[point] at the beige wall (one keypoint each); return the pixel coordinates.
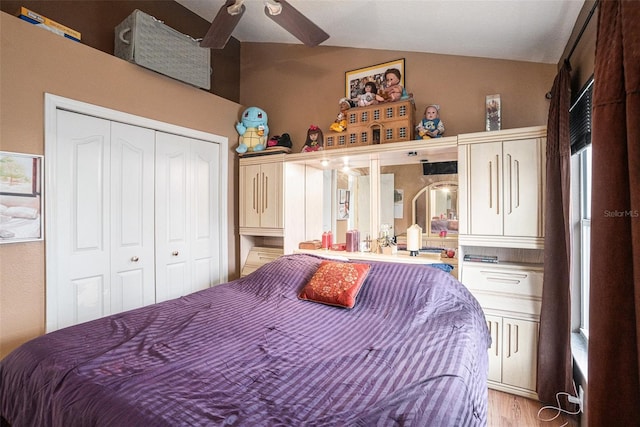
(34, 61)
(298, 86)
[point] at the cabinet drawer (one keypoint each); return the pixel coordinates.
(509, 288)
(509, 280)
(259, 256)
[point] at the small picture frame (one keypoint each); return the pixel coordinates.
(493, 110)
(344, 197)
(20, 197)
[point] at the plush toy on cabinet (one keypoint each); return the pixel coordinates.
(430, 126)
(253, 130)
(340, 123)
(315, 140)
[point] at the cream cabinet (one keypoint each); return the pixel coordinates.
(510, 295)
(501, 177)
(261, 196)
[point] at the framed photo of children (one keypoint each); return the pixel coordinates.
(356, 80)
(20, 197)
(493, 109)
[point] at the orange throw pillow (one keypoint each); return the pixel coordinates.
(336, 283)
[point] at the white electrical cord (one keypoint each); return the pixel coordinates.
(570, 398)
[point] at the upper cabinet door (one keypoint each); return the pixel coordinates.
(271, 187)
(250, 184)
(485, 189)
(522, 165)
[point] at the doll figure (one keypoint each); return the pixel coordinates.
(340, 123)
(430, 126)
(315, 140)
(393, 90)
(369, 95)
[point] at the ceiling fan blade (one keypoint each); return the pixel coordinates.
(223, 25)
(297, 24)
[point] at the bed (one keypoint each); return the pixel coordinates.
(412, 351)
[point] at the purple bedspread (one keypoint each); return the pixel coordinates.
(412, 352)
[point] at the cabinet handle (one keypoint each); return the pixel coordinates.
(504, 275)
(493, 332)
(255, 193)
(265, 193)
(516, 163)
(497, 184)
(510, 178)
(135, 259)
(175, 253)
(513, 339)
(509, 340)
(503, 280)
(490, 185)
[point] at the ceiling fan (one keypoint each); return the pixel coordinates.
(280, 11)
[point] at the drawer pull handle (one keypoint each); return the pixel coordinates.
(135, 259)
(504, 280)
(508, 275)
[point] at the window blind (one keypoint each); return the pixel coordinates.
(580, 118)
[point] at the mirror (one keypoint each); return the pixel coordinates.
(345, 206)
(435, 209)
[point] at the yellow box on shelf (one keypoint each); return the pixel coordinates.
(35, 18)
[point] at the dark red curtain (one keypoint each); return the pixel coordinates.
(613, 395)
(554, 348)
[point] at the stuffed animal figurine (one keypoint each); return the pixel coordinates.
(253, 130)
(340, 123)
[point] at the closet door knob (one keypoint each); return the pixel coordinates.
(135, 259)
(175, 253)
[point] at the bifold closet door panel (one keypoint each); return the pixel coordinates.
(132, 217)
(101, 219)
(187, 217)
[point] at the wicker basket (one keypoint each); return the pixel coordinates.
(146, 41)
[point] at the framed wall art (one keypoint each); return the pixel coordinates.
(20, 197)
(356, 79)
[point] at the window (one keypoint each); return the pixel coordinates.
(585, 236)
(580, 125)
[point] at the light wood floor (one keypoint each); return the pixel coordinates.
(508, 410)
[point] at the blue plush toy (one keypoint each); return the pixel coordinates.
(253, 130)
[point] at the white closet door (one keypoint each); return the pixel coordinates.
(205, 215)
(187, 217)
(132, 217)
(80, 227)
(102, 178)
